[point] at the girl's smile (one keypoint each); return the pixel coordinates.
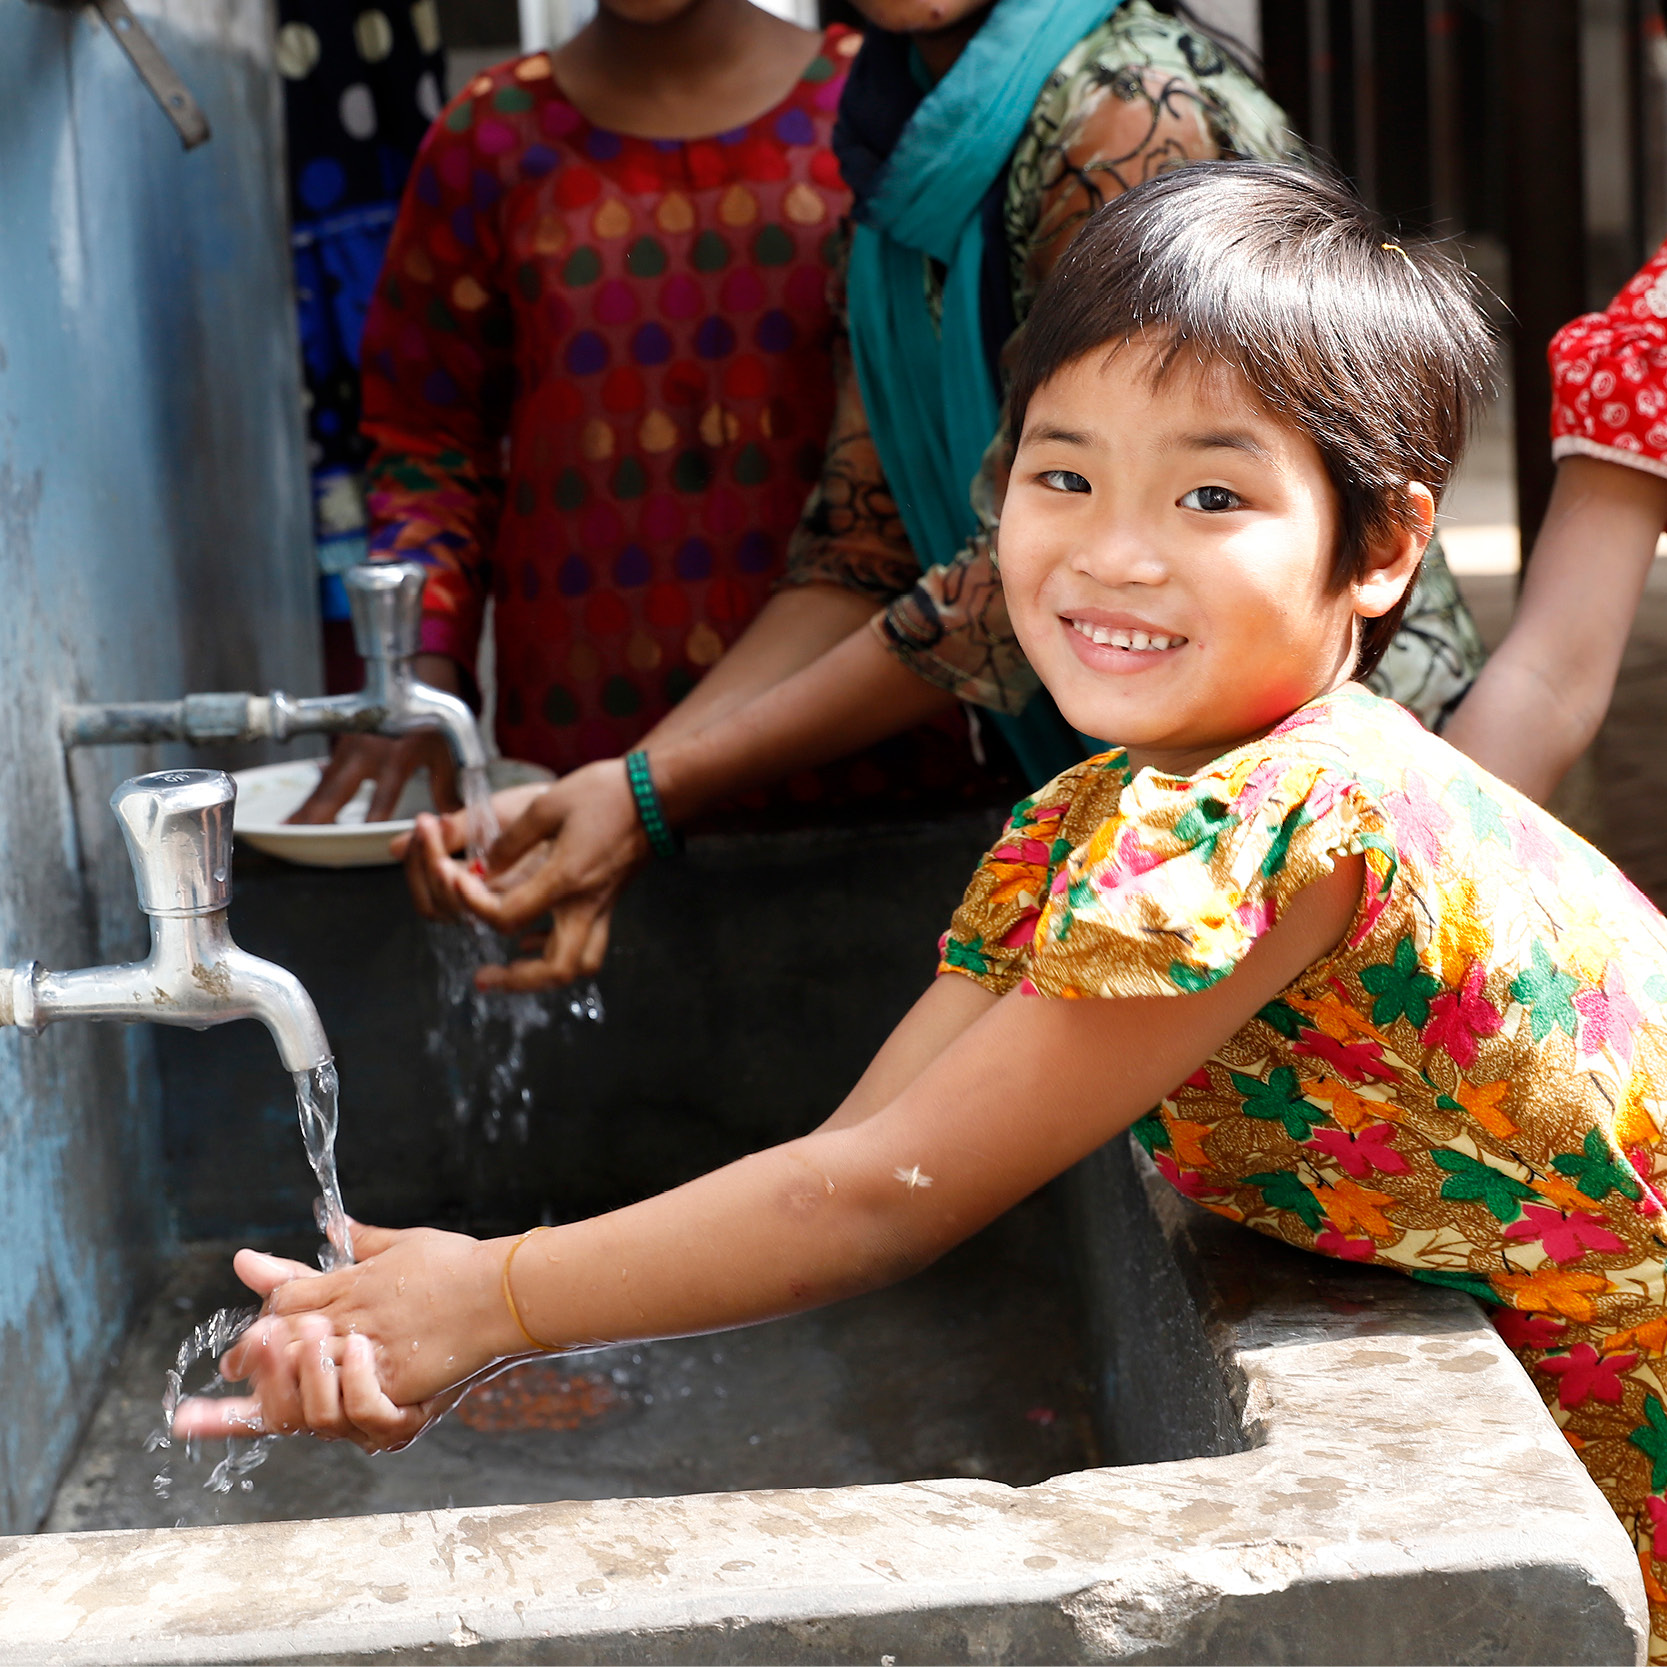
(1119, 643)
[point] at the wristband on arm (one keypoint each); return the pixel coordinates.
(509, 1294)
(661, 840)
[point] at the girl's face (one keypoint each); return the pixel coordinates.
(1166, 555)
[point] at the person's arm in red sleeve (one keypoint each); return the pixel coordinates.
(436, 378)
(1539, 701)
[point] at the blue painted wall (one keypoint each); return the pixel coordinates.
(153, 539)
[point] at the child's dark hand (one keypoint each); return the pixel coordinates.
(433, 867)
(569, 851)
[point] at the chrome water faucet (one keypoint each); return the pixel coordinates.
(178, 828)
(386, 600)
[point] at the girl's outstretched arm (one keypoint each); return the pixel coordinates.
(973, 1104)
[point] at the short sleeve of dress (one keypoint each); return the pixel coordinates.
(990, 937)
(1609, 377)
(1168, 894)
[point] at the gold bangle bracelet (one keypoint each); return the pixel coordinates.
(509, 1294)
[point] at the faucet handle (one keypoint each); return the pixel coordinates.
(386, 601)
(178, 828)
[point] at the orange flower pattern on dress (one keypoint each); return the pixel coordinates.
(1468, 1088)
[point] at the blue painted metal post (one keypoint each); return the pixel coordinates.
(154, 539)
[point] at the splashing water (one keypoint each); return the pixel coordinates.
(243, 1453)
(480, 1039)
(474, 1025)
(316, 1095)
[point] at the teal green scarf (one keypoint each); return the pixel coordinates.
(931, 394)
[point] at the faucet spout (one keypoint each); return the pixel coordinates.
(177, 824)
(412, 704)
(194, 976)
(386, 599)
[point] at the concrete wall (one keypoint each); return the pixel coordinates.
(153, 539)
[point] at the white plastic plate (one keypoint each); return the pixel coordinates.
(269, 793)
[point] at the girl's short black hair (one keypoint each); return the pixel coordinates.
(1371, 344)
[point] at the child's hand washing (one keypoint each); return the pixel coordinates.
(346, 1355)
(569, 847)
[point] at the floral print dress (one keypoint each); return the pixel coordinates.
(1470, 1088)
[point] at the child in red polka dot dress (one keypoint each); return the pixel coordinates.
(598, 375)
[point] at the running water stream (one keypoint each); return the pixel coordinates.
(479, 818)
(474, 1026)
(316, 1096)
(316, 1102)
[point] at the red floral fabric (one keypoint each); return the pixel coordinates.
(1609, 377)
(597, 375)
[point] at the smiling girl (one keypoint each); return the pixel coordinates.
(1385, 1007)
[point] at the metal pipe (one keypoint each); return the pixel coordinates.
(386, 600)
(178, 828)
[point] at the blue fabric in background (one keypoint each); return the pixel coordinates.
(921, 166)
(360, 89)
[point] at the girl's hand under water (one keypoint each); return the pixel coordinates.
(371, 1354)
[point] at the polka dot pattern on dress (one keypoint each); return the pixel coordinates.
(639, 334)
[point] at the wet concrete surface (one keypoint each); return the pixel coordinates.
(747, 986)
(1395, 1480)
(975, 1368)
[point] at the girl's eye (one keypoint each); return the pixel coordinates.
(1065, 480)
(1212, 499)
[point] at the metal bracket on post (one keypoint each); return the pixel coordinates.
(159, 76)
(156, 72)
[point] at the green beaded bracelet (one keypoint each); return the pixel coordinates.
(662, 841)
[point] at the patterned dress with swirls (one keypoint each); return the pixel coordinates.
(1184, 96)
(1471, 1088)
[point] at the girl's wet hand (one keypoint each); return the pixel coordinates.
(430, 1302)
(427, 1306)
(318, 1384)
